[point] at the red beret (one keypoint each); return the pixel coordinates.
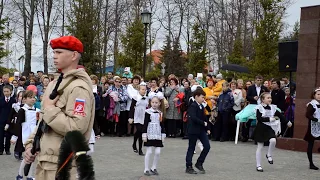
(67, 42)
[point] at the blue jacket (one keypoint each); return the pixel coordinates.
(225, 101)
(5, 109)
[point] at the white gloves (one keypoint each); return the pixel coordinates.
(6, 127)
(272, 119)
(289, 124)
(144, 137)
(130, 120)
(13, 139)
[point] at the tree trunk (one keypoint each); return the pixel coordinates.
(115, 45)
(105, 35)
(28, 28)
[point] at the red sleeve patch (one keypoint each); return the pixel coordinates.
(79, 107)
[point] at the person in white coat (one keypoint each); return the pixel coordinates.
(238, 99)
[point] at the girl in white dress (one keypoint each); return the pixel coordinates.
(153, 132)
(28, 118)
(138, 108)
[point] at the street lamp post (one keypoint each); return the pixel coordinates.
(146, 20)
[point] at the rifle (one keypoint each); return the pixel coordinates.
(42, 127)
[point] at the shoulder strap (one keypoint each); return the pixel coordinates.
(60, 91)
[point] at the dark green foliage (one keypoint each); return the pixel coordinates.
(197, 57)
(268, 31)
(4, 35)
(174, 58)
(133, 47)
(83, 25)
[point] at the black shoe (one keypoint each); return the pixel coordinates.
(312, 166)
(190, 170)
(8, 153)
(147, 173)
(141, 153)
(134, 148)
(259, 169)
(185, 137)
(17, 156)
(154, 172)
(244, 140)
(221, 140)
(270, 162)
(200, 168)
(1, 153)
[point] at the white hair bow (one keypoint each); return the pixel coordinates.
(156, 94)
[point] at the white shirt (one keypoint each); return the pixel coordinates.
(258, 89)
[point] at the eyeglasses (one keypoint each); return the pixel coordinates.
(117, 81)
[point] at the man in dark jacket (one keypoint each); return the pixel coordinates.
(197, 129)
(255, 90)
(253, 94)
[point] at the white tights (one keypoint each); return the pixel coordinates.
(21, 169)
(272, 146)
(157, 151)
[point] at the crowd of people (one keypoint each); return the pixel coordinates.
(121, 103)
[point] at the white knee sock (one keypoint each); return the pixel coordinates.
(272, 146)
(91, 146)
(200, 145)
(258, 154)
(20, 173)
(147, 159)
(30, 175)
(156, 158)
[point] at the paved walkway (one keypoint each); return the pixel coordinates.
(115, 160)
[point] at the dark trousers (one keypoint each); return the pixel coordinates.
(138, 136)
(245, 129)
(7, 135)
(172, 127)
(97, 124)
(111, 126)
(122, 125)
(185, 129)
(222, 126)
(203, 137)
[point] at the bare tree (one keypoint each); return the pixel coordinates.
(46, 24)
(27, 12)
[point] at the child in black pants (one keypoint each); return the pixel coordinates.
(5, 108)
(197, 129)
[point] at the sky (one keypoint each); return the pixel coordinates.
(293, 15)
(293, 12)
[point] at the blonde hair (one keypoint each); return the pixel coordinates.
(263, 95)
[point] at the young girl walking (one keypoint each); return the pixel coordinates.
(12, 127)
(313, 132)
(137, 115)
(153, 132)
(27, 119)
(268, 127)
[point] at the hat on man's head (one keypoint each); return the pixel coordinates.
(70, 43)
(219, 76)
